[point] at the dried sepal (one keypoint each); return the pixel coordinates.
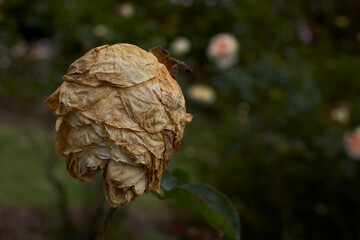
(120, 109)
(170, 63)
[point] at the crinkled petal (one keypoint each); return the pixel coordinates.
(122, 65)
(119, 110)
(84, 165)
(137, 143)
(113, 114)
(79, 96)
(70, 140)
(122, 182)
(143, 105)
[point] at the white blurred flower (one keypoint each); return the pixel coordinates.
(19, 49)
(202, 93)
(180, 46)
(340, 114)
(352, 144)
(304, 31)
(223, 50)
(42, 49)
(125, 10)
(100, 30)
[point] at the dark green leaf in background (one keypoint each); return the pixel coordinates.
(205, 200)
(168, 181)
(181, 176)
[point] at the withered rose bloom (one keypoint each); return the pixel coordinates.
(120, 109)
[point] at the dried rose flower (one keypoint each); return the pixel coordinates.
(119, 109)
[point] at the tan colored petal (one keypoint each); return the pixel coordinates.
(118, 155)
(78, 96)
(53, 100)
(122, 65)
(75, 119)
(84, 165)
(141, 185)
(71, 140)
(169, 140)
(78, 71)
(122, 182)
(143, 105)
(113, 114)
(119, 110)
(124, 175)
(137, 143)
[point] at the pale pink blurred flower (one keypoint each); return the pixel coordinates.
(202, 94)
(42, 49)
(19, 49)
(125, 10)
(223, 50)
(100, 30)
(304, 31)
(352, 144)
(180, 46)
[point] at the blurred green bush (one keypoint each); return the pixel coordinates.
(272, 139)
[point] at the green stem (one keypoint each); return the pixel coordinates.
(109, 217)
(158, 195)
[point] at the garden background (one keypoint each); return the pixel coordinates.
(271, 118)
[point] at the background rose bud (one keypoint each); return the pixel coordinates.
(202, 93)
(180, 46)
(125, 10)
(223, 50)
(352, 144)
(119, 110)
(340, 114)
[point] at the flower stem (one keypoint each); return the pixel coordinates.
(106, 224)
(158, 195)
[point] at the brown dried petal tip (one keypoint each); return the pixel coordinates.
(120, 110)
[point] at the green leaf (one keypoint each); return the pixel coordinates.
(213, 205)
(181, 176)
(168, 181)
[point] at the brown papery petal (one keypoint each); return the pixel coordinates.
(119, 110)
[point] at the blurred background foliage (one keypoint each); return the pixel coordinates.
(271, 134)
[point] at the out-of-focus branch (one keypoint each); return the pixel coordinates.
(61, 194)
(109, 217)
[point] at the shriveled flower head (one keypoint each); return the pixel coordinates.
(223, 50)
(121, 110)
